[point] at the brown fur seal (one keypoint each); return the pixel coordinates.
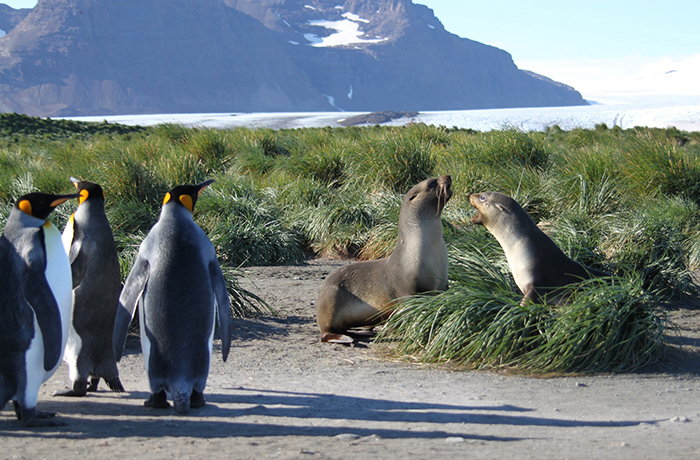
(539, 267)
(361, 293)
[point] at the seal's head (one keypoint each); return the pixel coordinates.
(496, 210)
(431, 194)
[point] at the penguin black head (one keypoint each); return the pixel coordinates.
(88, 190)
(40, 205)
(186, 195)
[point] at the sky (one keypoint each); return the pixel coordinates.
(606, 49)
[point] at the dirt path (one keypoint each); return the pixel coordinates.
(284, 395)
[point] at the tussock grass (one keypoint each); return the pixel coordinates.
(609, 325)
(657, 243)
(246, 228)
(625, 201)
(397, 159)
(662, 168)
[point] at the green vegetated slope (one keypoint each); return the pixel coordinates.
(625, 201)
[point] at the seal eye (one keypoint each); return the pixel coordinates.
(432, 184)
(482, 198)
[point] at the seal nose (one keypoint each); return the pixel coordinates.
(445, 187)
(443, 192)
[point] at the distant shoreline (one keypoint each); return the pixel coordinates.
(680, 112)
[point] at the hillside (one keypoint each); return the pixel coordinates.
(95, 57)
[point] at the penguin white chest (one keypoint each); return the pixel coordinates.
(58, 275)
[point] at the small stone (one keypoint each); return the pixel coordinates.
(624, 444)
(679, 419)
(581, 384)
(454, 439)
(347, 436)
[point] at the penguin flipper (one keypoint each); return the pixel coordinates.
(133, 289)
(218, 284)
(40, 298)
(78, 264)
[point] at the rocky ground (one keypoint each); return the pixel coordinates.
(284, 395)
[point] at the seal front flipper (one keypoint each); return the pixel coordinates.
(40, 298)
(329, 337)
(132, 292)
(218, 284)
(530, 296)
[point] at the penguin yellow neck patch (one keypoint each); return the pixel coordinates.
(25, 206)
(167, 198)
(186, 200)
(84, 194)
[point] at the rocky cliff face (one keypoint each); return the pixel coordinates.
(100, 57)
(401, 58)
(74, 57)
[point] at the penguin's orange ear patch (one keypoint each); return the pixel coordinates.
(167, 198)
(186, 200)
(25, 206)
(84, 194)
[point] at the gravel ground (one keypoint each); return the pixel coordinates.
(282, 394)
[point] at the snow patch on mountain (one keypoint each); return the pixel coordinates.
(347, 32)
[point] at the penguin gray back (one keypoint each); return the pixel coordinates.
(178, 285)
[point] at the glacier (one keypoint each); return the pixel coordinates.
(682, 112)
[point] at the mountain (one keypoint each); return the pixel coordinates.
(404, 59)
(100, 57)
(10, 17)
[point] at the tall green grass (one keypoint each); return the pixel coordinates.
(479, 323)
(625, 201)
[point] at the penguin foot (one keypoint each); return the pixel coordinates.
(94, 382)
(80, 388)
(197, 400)
(115, 385)
(72, 393)
(32, 418)
(157, 401)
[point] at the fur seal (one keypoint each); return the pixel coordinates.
(539, 267)
(362, 293)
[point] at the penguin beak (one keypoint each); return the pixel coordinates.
(204, 185)
(74, 180)
(62, 199)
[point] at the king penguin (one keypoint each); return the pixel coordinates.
(94, 262)
(178, 286)
(35, 304)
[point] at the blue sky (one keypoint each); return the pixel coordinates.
(20, 3)
(606, 49)
(603, 48)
